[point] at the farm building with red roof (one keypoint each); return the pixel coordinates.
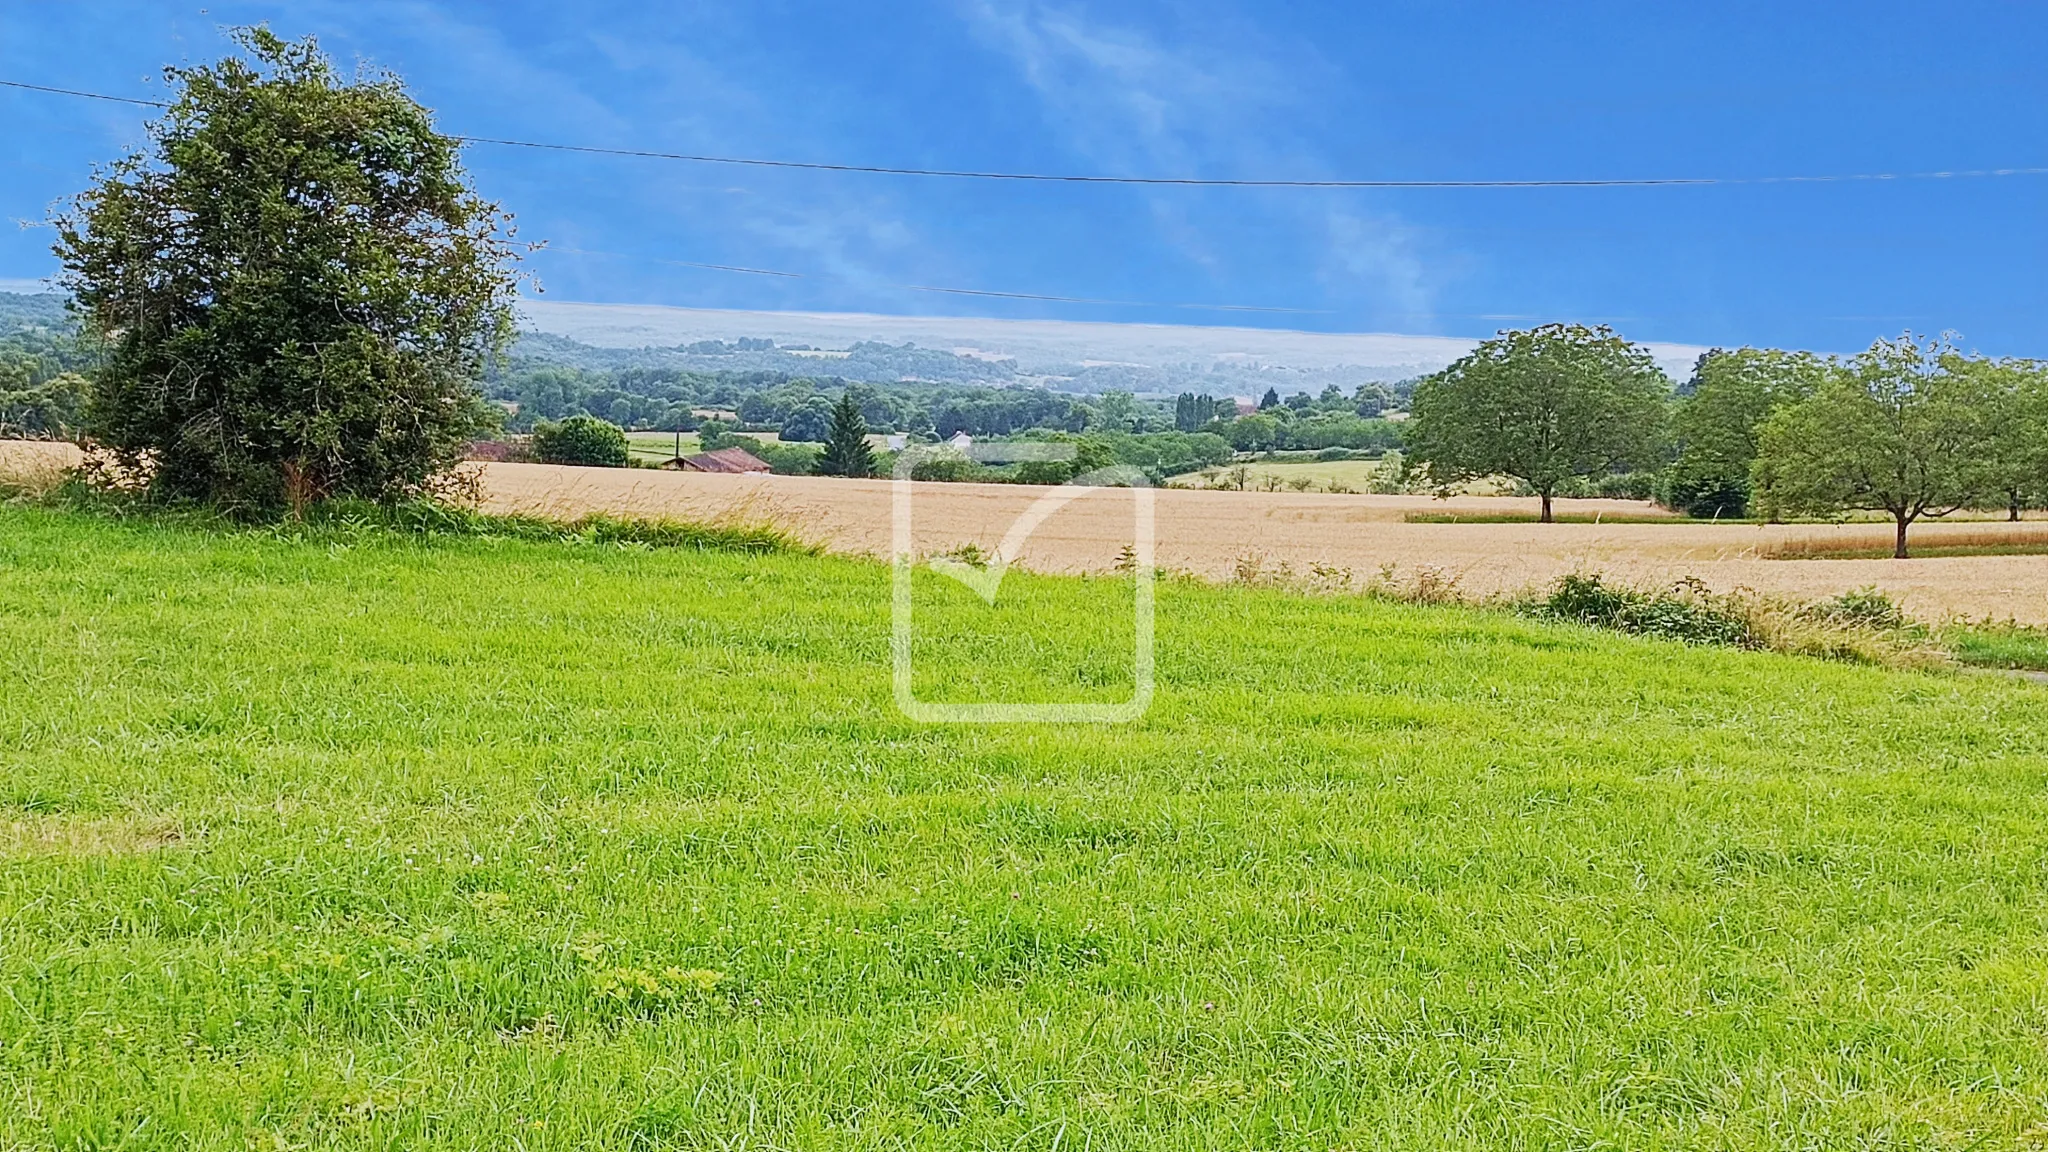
(723, 460)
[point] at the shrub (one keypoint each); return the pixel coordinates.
(1708, 497)
(582, 440)
(1687, 614)
(1044, 472)
(296, 287)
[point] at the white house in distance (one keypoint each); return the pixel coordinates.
(960, 442)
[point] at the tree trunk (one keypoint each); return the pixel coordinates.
(1899, 553)
(2013, 509)
(1546, 507)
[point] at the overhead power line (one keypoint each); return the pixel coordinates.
(548, 248)
(1172, 181)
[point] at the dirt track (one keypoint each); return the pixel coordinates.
(1212, 533)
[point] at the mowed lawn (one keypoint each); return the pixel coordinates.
(354, 841)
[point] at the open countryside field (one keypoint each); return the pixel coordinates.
(367, 840)
(1215, 534)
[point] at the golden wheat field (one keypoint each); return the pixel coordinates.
(1219, 535)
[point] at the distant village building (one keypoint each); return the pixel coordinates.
(896, 441)
(960, 442)
(723, 460)
(1245, 407)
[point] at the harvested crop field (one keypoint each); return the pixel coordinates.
(1218, 534)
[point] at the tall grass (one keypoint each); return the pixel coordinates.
(529, 844)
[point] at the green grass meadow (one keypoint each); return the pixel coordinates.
(364, 840)
(658, 447)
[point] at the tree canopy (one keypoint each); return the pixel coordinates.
(1906, 428)
(1543, 405)
(1731, 394)
(582, 440)
(297, 287)
(2018, 393)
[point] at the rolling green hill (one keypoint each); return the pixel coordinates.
(347, 839)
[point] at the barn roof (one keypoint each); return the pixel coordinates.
(726, 460)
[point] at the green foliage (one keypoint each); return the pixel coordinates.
(36, 409)
(1690, 618)
(1542, 405)
(1716, 425)
(1901, 428)
(363, 839)
(1194, 411)
(945, 465)
(1862, 608)
(1114, 412)
(1256, 433)
(799, 459)
(297, 287)
(426, 519)
(846, 446)
(584, 440)
(2018, 393)
(810, 422)
(2009, 646)
(716, 434)
(1716, 496)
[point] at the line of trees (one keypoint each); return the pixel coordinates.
(1911, 428)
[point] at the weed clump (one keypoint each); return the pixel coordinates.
(1688, 612)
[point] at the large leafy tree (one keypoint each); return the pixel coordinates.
(297, 286)
(1904, 428)
(846, 441)
(1716, 425)
(1543, 405)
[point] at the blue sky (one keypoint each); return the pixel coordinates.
(1216, 88)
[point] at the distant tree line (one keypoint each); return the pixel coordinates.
(1910, 428)
(799, 408)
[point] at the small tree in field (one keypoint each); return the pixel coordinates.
(584, 440)
(846, 442)
(1542, 405)
(1902, 428)
(296, 285)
